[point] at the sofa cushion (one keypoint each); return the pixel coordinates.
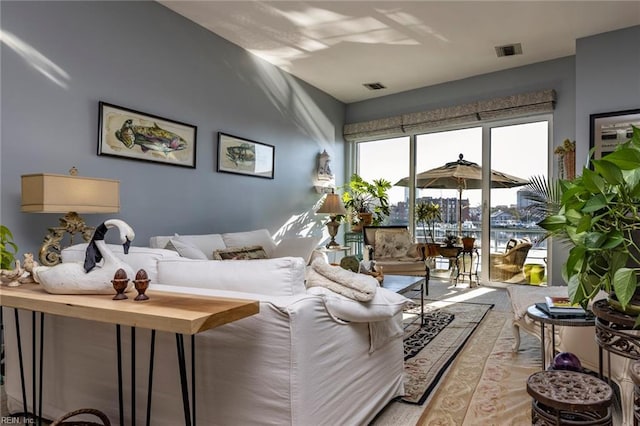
(392, 243)
(207, 243)
(138, 258)
(296, 247)
(259, 237)
(240, 253)
(185, 248)
(274, 277)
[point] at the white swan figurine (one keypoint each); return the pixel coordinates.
(90, 278)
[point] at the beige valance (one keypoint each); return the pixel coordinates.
(419, 122)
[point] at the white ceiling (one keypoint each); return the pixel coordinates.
(339, 45)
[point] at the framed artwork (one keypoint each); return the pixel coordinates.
(245, 157)
(136, 135)
(609, 129)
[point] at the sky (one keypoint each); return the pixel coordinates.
(519, 150)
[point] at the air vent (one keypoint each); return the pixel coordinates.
(375, 86)
(509, 50)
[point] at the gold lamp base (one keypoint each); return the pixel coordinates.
(71, 223)
(333, 226)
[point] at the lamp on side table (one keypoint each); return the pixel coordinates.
(51, 193)
(332, 206)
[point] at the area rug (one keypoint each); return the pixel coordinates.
(429, 354)
(487, 382)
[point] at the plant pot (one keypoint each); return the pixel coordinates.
(633, 308)
(468, 243)
(449, 251)
(366, 219)
(432, 250)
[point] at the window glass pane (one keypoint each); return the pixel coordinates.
(435, 150)
(387, 159)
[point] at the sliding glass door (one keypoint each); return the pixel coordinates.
(475, 205)
(517, 254)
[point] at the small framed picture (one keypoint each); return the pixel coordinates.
(140, 136)
(609, 129)
(245, 157)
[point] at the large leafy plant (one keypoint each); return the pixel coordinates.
(597, 213)
(361, 196)
(8, 249)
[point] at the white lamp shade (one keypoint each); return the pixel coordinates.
(51, 193)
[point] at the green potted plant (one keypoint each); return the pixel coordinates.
(598, 214)
(368, 202)
(427, 215)
(8, 249)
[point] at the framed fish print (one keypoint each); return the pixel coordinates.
(609, 129)
(245, 157)
(136, 135)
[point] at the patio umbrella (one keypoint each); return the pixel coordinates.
(461, 175)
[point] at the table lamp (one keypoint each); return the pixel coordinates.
(69, 194)
(332, 206)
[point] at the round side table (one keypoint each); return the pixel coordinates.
(563, 397)
(543, 318)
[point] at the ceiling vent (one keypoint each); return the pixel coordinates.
(509, 50)
(375, 86)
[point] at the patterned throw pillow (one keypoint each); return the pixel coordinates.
(392, 243)
(240, 253)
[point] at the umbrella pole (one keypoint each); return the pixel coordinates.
(460, 212)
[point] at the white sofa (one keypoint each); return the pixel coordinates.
(297, 362)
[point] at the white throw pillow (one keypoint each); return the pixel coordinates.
(384, 305)
(259, 237)
(296, 247)
(274, 277)
(185, 248)
(207, 243)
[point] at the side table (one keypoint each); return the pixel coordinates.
(615, 334)
(334, 250)
(181, 314)
(539, 316)
(462, 265)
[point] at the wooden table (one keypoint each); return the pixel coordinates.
(181, 314)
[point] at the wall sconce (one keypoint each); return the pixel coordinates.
(51, 193)
(333, 206)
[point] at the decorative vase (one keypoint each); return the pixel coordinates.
(366, 219)
(120, 282)
(141, 284)
(468, 243)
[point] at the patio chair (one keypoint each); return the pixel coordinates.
(509, 266)
(393, 248)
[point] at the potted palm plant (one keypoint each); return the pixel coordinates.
(427, 215)
(367, 202)
(598, 214)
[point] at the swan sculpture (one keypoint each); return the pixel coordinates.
(90, 277)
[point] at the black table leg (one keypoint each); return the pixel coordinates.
(119, 350)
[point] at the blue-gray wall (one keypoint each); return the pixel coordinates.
(60, 58)
(607, 79)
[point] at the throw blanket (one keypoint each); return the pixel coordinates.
(355, 286)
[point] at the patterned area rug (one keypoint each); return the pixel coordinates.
(487, 382)
(429, 350)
